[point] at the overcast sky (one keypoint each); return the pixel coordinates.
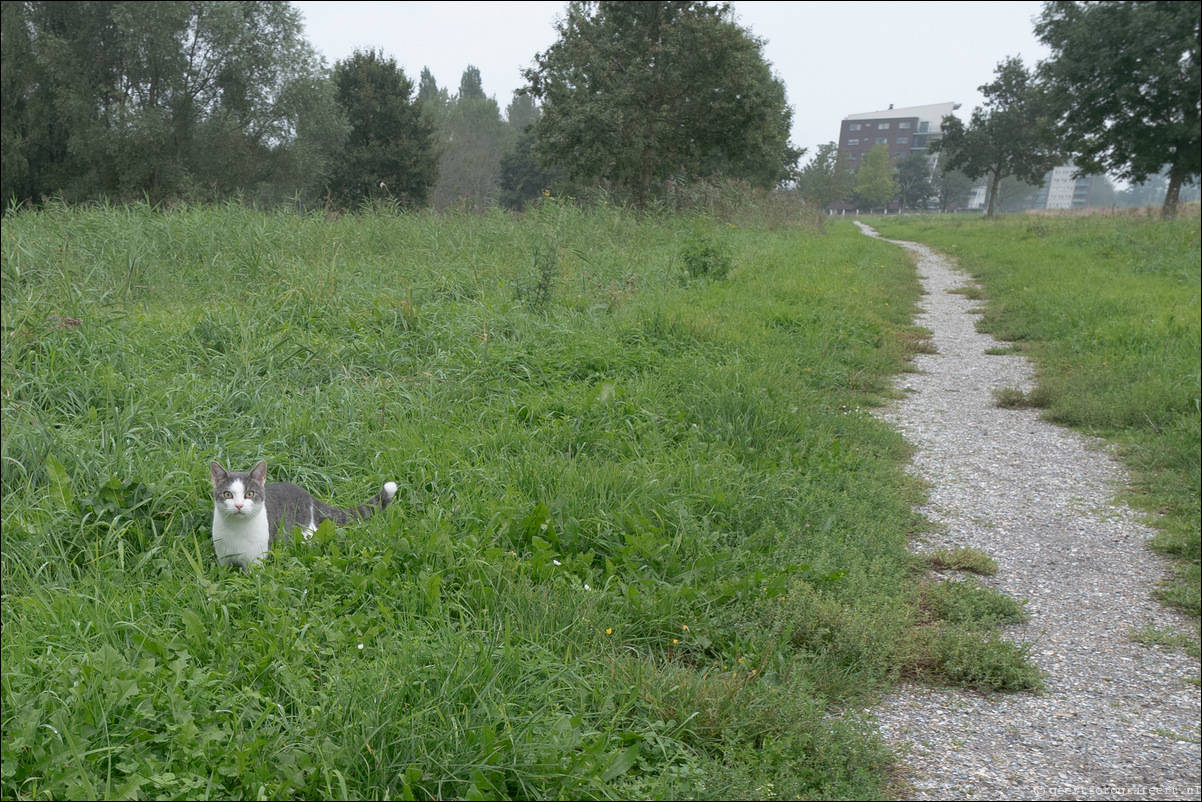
(835, 58)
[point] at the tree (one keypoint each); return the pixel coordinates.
(1010, 135)
(390, 151)
(522, 112)
(433, 99)
(826, 178)
(914, 187)
(473, 138)
(471, 85)
(636, 92)
(522, 179)
(953, 188)
(1016, 195)
(1101, 191)
(1126, 82)
(1151, 191)
(19, 123)
(875, 184)
(127, 99)
(428, 91)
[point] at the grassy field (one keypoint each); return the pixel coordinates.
(1108, 310)
(647, 541)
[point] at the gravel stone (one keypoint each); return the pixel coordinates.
(1118, 720)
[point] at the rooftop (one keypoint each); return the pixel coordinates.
(934, 112)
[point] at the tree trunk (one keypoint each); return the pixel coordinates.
(1171, 198)
(645, 179)
(997, 180)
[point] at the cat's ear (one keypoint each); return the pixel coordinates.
(218, 473)
(259, 472)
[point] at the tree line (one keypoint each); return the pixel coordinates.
(210, 100)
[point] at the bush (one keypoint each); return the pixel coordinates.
(705, 256)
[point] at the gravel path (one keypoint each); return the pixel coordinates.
(1118, 720)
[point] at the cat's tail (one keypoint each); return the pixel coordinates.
(368, 508)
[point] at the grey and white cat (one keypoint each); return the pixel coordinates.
(249, 515)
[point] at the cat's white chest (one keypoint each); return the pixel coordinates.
(241, 540)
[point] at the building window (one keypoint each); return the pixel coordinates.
(882, 126)
(853, 127)
(903, 140)
(851, 142)
(903, 125)
(881, 140)
(924, 127)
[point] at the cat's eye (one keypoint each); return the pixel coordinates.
(228, 494)
(250, 494)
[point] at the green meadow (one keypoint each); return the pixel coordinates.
(648, 540)
(1108, 310)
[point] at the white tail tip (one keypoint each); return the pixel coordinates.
(389, 490)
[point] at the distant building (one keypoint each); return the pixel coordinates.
(905, 131)
(1061, 190)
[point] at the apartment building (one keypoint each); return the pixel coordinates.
(904, 131)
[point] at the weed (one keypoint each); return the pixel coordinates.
(537, 286)
(1151, 635)
(963, 558)
(706, 256)
(916, 341)
(973, 292)
(1011, 398)
(966, 601)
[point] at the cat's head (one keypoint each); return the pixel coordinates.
(239, 495)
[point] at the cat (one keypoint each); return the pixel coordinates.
(249, 515)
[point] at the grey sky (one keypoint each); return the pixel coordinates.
(836, 58)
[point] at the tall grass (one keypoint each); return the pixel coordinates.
(645, 541)
(1108, 310)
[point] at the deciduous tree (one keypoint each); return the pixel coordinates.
(129, 99)
(914, 187)
(826, 178)
(952, 188)
(390, 151)
(635, 92)
(1126, 81)
(1011, 135)
(433, 98)
(522, 178)
(875, 182)
(473, 139)
(522, 112)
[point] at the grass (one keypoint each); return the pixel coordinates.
(963, 558)
(1151, 635)
(1108, 311)
(645, 543)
